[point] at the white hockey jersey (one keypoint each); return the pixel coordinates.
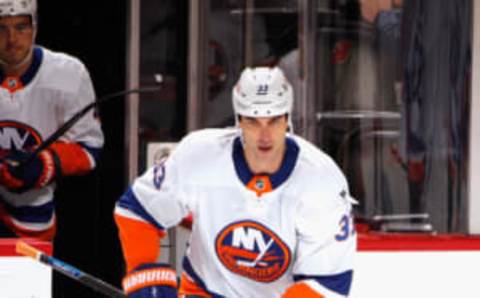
(33, 107)
(242, 244)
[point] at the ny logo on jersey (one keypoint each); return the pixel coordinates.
(15, 135)
(262, 89)
(247, 238)
(252, 250)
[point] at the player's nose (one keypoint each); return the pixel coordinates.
(265, 135)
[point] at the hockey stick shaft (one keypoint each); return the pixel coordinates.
(74, 119)
(70, 271)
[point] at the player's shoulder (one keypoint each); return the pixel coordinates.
(311, 158)
(60, 72)
(61, 62)
(326, 179)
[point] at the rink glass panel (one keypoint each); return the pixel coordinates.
(392, 108)
(163, 35)
(390, 102)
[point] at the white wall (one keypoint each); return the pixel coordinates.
(421, 274)
(22, 277)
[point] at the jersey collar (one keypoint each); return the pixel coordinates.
(276, 179)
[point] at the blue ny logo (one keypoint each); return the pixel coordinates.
(262, 90)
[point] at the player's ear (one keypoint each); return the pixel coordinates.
(34, 36)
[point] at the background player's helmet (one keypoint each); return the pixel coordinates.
(262, 92)
(10, 8)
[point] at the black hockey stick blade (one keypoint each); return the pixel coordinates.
(70, 271)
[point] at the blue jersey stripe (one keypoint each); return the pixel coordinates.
(32, 214)
(30, 73)
(129, 201)
(339, 283)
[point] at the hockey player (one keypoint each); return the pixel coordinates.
(40, 90)
(272, 213)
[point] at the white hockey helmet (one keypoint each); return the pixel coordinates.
(262, 92)
(10, 8)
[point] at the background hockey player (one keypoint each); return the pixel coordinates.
(271, 212)
(39, 91)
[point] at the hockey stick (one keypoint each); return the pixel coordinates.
(74, 119)
(70, 271)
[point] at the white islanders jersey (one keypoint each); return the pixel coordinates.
(243, 244)
(33, 107)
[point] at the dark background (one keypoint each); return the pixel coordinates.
(95, 32)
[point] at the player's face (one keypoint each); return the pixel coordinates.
(16, 39)
(264, 142)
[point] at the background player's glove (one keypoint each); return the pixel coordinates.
(60, 159)
(151, 281)
(18, 176)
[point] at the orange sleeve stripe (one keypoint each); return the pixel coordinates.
(74, 160)
(300, 289)
(140, 241)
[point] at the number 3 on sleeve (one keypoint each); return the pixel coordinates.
(346, 228)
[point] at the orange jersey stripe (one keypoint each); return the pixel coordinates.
(140, 241)
(245, 254)
(189, 288)
(300, 289)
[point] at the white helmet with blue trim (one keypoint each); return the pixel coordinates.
(262, 92)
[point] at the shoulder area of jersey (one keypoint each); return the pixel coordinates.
(325, 175)
(61, 61)
(311, 154)
(330, 196)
